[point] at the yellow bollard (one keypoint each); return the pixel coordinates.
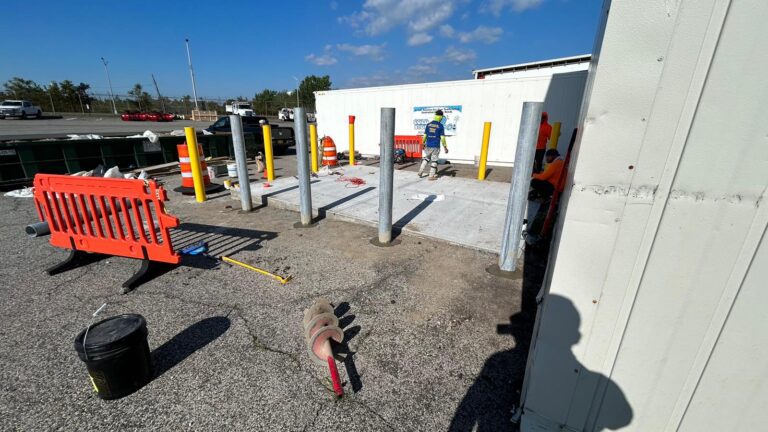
(351, 140)
(484, 150)
(313, 145)
(267, 131)
(194, 162)
(555, 135)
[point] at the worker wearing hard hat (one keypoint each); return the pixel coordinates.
(545, 132)
(545, 182)
(434, 136)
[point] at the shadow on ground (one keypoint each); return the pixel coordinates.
(186, 343)
(221, 241)
(347, 356)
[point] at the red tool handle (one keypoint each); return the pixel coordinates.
(335, 377)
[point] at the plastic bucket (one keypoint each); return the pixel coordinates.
(116, 354)
(232, 170)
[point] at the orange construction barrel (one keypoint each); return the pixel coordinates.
(329, 152)
(187, 183)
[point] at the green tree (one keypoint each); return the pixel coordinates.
(20, 88)
(69, 96)
(141, 99)
(83, 98)
(265, 101)
(308, 86)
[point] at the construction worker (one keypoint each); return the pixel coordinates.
(544, 183)
(545, 132)
(434, 136)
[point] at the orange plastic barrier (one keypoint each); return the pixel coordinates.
(121, 217)
(412, 145)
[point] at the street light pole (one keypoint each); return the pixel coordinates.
(192, 74)
(109, 80)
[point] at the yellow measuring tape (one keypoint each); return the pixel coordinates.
(281, 279)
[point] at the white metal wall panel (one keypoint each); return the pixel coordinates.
(498, 101)
(651, 258)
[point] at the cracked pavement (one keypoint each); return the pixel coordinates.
(420, 322)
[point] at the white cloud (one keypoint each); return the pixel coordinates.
(481, 34)
(419, 39)
(458, 56)
(379, 16)
(446, 30)
(497, 6)
(421, 70)
(334, 5)
(377, 79)
(326, 59)
(374, 52)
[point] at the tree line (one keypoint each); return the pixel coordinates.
(66, 96)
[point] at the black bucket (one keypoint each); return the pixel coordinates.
(116, 354)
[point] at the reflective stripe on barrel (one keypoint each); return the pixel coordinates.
(186, 167)
(329, 152)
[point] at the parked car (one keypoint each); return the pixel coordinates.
(19, 108)
(282, 137)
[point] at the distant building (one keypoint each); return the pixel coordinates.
(536, 69)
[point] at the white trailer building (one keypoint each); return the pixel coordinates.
(470, 102)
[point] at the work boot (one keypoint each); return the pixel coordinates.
(421, 174)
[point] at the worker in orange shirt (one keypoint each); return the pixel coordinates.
(544, 183)
(545, 132)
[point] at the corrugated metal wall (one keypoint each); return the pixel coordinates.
(498, 101)
(655, 315)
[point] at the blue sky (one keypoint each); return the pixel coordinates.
(241, 47)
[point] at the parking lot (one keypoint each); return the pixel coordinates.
(106, 125)
(429, 345)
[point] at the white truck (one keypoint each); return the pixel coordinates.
(285, 114)
(243, 109)
(19, 108)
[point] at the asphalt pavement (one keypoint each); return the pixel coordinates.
(428, 338)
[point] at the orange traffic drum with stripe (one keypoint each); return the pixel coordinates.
(329, 152)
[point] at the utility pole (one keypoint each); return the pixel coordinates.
(109, 80)
(192, 74)
(48, 90)
(297, 91)
(157, 89)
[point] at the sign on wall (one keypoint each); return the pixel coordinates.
(425, 114)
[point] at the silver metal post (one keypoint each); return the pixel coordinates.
(521, 178)
(302, 155)
(386, 172)
(109, 80)
(192, 74)
(238, 139)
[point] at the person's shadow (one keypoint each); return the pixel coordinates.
(488, 404)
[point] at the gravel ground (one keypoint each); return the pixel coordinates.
(428, 333)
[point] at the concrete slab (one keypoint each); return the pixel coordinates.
(459, 211)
